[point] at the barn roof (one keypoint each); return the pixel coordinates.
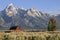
(13, 27)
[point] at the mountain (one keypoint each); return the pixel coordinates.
(25, 18)
(58, 20)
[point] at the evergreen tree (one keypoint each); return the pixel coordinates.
(52, 24)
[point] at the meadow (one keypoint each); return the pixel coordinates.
(30, 35)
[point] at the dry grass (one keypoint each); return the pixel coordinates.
(36, 35)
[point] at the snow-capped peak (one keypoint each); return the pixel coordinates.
(11, 4)
(33, 12)
(21, 9)
(33, 9)
(10, 10)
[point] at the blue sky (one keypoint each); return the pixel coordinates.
(49, 6)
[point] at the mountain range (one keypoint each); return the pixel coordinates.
(25, 18)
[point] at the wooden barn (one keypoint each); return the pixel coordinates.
(16, 29)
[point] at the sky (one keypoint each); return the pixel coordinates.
(48, 6)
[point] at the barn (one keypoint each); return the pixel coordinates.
(16, 29)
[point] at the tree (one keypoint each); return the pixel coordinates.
(52, 24)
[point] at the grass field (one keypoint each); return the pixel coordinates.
(30, 36)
